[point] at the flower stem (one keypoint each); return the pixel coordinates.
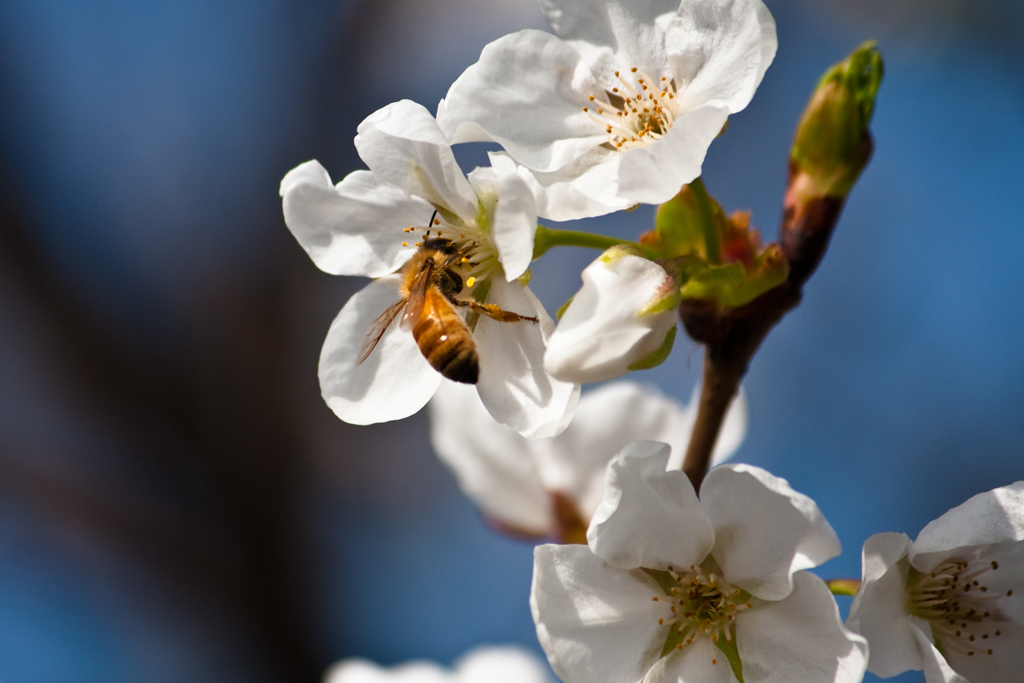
(707, 221)
(553, 237)
(843, 586)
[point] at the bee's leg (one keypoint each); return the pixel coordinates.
(492, 311)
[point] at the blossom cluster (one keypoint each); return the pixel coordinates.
(617, 109)
(655, 568)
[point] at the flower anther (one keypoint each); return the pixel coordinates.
(637, 111)
(955, 599)
(478, 259)
(698, 602)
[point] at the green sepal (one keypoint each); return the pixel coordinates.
(689, 267)
(676, 636)
(831, 146)
(665, 303)
(617, 251)
(561, 311)
(525, 278)
(848, 587)
(692, 222)
(732, 285)
(659, 355)
(677, 224)
(667, 298)
(732, 654)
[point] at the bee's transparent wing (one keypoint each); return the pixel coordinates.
(417, 296)
(378, 328)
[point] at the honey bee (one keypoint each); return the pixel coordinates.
(429, 289)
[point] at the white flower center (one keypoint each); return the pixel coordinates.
(954, 599)
(479, 258)
(699, 603)
(636, 110)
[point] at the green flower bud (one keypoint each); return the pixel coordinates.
(832, 143)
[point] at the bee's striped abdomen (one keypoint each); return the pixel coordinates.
(446, 342)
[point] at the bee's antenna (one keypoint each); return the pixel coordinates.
(432, 217)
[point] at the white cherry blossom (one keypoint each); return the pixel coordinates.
(951, 602)
(672, 588)
(486, 664)
(622, 107)
(550, 488)
(369, 224)
(623, 318)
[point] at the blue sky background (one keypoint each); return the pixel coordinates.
(176, 502)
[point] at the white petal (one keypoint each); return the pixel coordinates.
(394, 382)
(731, 435)
(764, 530)
(649, 174)
(720, 50)
(560, 196)
(609, 419)
(494, 465)
(769, 39)
(354, 228)
(995, 516)
(654, 174)
(799, 639)
(699, 662)
(936, 669)
(603, 331)
(506, 664)
(403, 144)
(879, 612)
(589, 185)
(596, 623)
(601, 180)
(615, 34)
(526, 93)
(515, 211)
(364, 671)
(513, 383)
(649, 517)
(1004, 664)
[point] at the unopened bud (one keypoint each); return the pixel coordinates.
(624, 318)
(831, 148)
(832, 144)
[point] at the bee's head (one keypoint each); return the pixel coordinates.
(441, 244)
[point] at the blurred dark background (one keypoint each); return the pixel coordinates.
(177, 503)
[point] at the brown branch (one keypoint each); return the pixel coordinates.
(734, 335)
(831, 148)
